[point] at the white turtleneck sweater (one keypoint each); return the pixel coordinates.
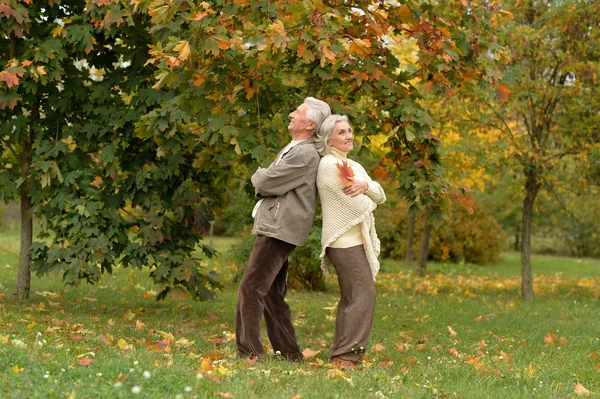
(348, 221)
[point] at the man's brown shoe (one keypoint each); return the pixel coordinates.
(343, 364)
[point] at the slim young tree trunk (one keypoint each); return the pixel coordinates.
(424, 247)
(410, 255)
(517, 240)
(532, 186)
(24, 276)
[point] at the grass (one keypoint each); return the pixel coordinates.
(462, 332)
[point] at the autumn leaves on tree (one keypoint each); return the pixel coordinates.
(127, 119)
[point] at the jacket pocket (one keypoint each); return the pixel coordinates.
(269, 214)
(274, 210)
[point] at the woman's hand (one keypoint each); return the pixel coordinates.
(356, 187)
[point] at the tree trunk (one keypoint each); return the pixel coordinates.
(24, 276)
(532, 186)
(517, 240)
(424, 247)
(410, 255)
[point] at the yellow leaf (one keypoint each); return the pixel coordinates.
(40, 70)
(223, 370)
(205, 365)
(57, 31)
(234, 142)
(17, 369)
(122, 344)
(184, 343)
(183, 48)
(530, 370)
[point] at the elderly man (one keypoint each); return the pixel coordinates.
(282, 220)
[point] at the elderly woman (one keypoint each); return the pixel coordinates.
(350, 243)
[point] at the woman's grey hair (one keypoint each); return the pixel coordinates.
(322, 137)
(317, 112)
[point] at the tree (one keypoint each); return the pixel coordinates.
(73, 88)
(545, 107)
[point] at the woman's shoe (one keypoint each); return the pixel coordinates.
(343, 364)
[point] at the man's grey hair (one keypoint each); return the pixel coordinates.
(317, 112)
(322, 137)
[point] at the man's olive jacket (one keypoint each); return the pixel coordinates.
(289, 193)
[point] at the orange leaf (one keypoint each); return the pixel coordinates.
(327, 53)
(86, 361)
(550, 338)
(120, 377)
(346, 172)
(379, 347)
(11, 80)
(502, 92)
(199, 16)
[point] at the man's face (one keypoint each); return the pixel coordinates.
(299, 125)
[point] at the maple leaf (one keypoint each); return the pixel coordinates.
(580, 390)
(502, 92)
(10, 79)
(327, 53)
(183, 48)
(85, 361)
(308, 353)
(346, 173)
(550, 338)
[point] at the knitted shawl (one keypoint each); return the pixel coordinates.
(341, 211)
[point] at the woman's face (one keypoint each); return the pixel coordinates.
(342, 138)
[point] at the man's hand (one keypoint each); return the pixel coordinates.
(356, 187)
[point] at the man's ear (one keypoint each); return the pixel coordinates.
(311, 126)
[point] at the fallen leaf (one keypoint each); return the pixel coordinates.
(580, 390)
(139, 324)
(308, 353)
(251, 361)
(224, 394)
(378, 347)
(86, 361)
(17, 369)
(479, 318)
(452, 332)
(123, 345)
(550, 338)
(120, 377)
(530, 370)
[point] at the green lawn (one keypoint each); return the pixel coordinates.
(462, 332)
